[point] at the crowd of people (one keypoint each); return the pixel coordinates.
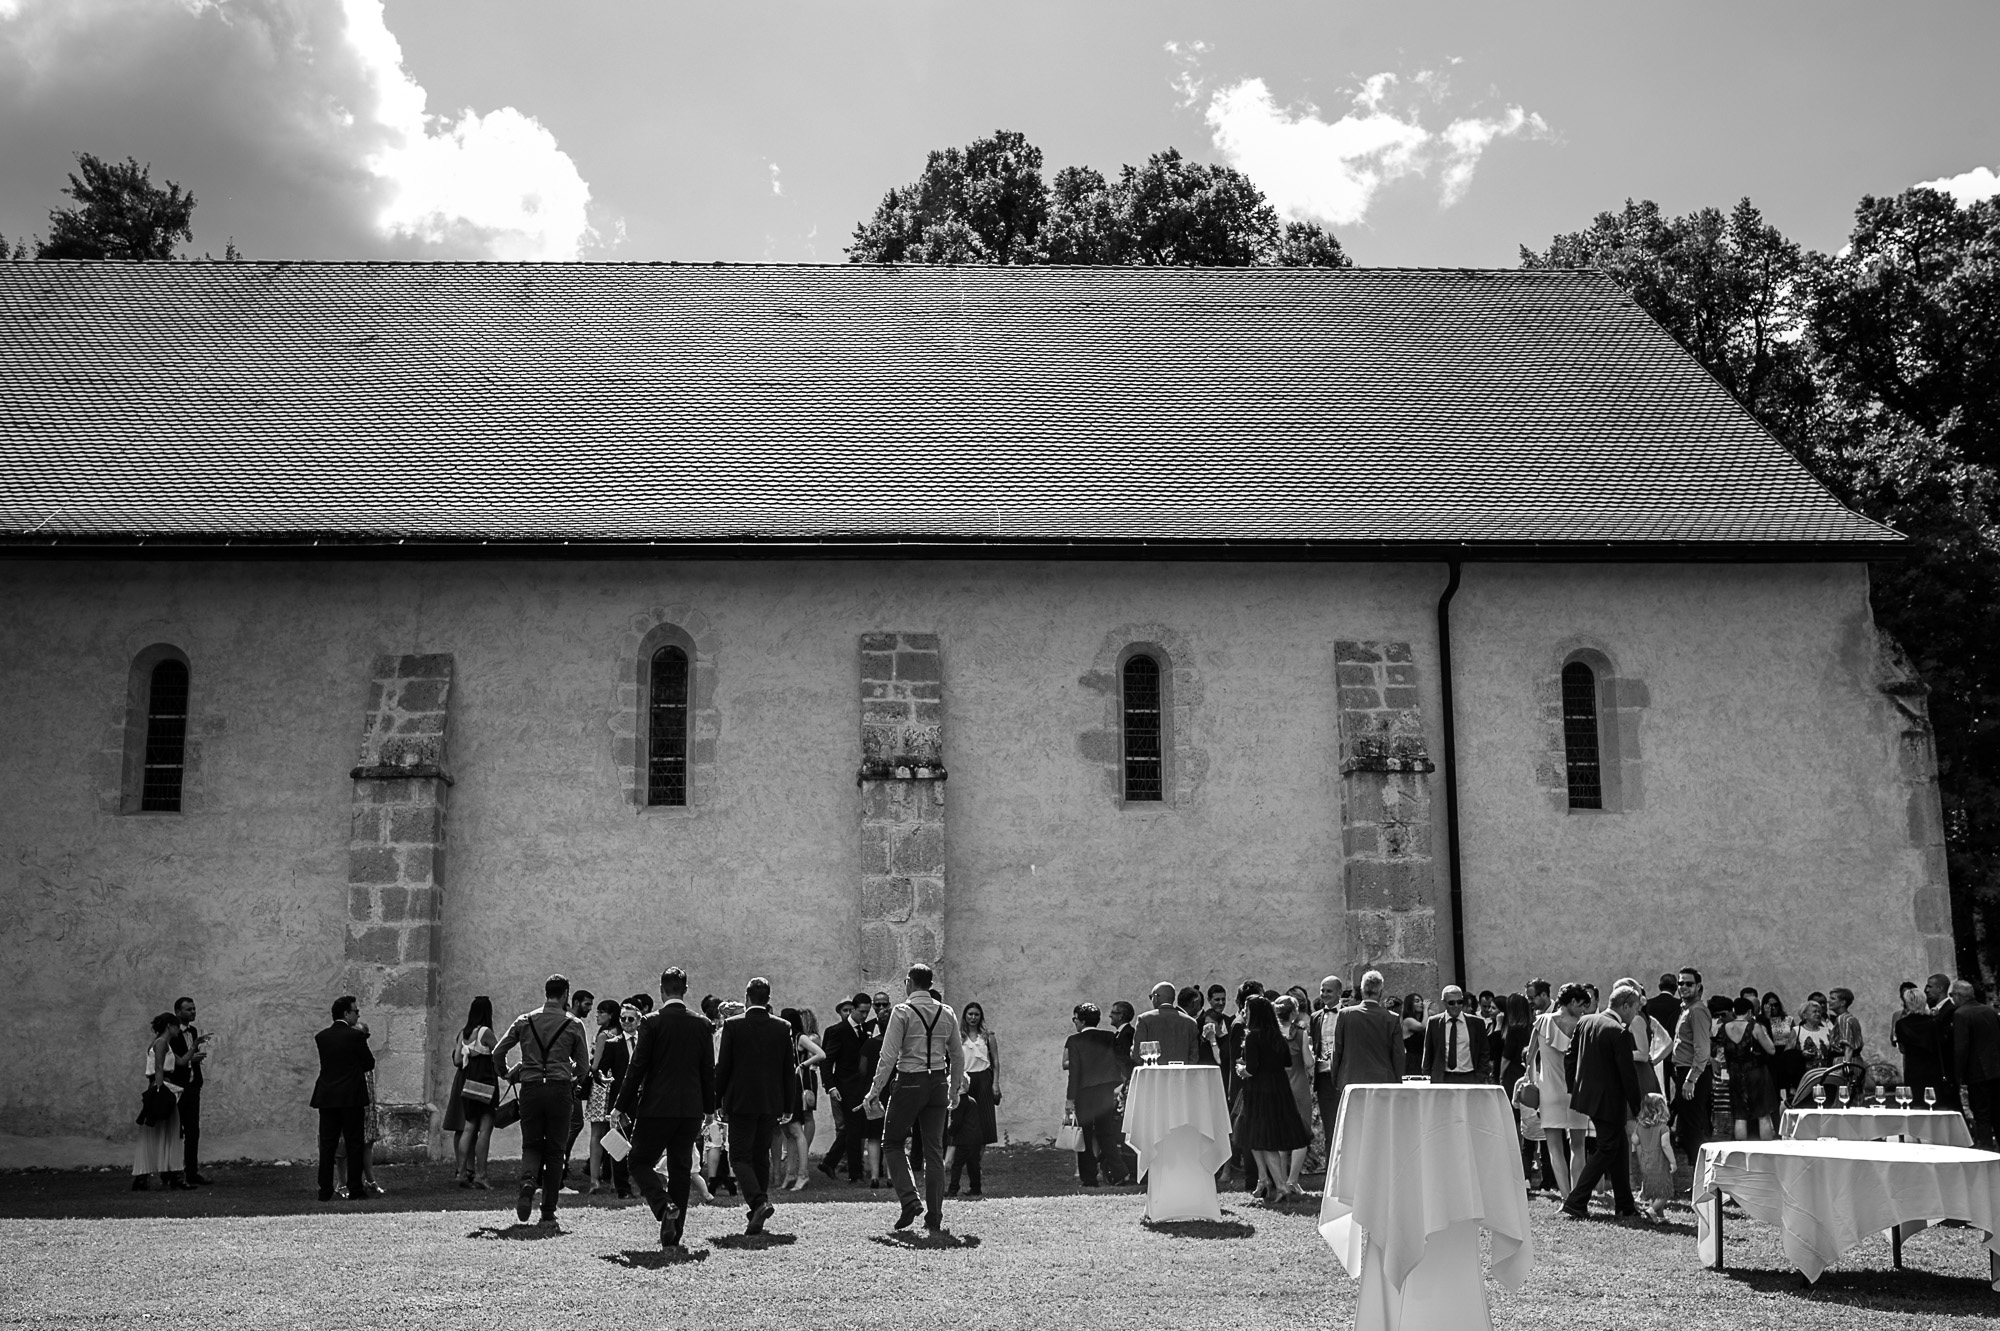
(1619, 1091)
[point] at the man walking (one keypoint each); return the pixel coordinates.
(669, 1090)
(1455, 1043)
(580, 1005)
(1976, 1060)
(341, 1095)
(846, 1076)
(921, 1044)
(758, 1090)
(189, 1052)
(1178, 1034)
(1607, 1093)
(554, 1062)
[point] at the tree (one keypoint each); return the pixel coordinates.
(987, 204)
(18, 250)
(1729, 288)
(119, 214)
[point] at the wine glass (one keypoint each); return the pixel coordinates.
(1819, 1095)
(1902, 1097)
(1843, 1095)
(1150, 1051)
(1930, 1096)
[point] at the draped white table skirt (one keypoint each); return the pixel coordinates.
(1937, 1127)
(1177, 1122)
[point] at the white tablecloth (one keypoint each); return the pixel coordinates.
(1177, 1122)
(1939, 1127)
(1416, 1171)
(1828, 1196)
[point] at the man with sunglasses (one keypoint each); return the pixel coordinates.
(1693, 1104)
(846, 1083)
(1455, 1043)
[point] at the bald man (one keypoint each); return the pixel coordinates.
(1455, 1042)
(1178, 1033)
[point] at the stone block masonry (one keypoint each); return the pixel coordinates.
(901, 779)
(1385, 818)
(395, 878)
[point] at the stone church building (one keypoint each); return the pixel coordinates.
(418, 630)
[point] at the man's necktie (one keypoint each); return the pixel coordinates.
(1451, 1045)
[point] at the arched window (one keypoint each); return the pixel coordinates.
(1580, 737)
(166, 738)
(1143, 729)
(667, 728)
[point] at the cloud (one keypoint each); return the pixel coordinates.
(293, 121)
(1330, 169)
(1968, 187)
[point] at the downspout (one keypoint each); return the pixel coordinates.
(1456, 889)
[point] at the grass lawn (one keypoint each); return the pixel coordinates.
(257, 1250)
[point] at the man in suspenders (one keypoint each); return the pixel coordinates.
(921, 1044)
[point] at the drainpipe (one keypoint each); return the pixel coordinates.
(1456, 883)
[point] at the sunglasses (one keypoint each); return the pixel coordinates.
(881, 1005)
(1454, 1002)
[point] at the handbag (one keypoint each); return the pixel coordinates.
(507, 1111)
(1069, 1137)
(482, 1091)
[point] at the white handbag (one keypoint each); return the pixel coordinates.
(1069, 1137)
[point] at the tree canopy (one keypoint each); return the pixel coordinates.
(988, 203)
(1879, 367)
(119, 214)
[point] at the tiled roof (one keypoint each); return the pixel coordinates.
(1358, 409)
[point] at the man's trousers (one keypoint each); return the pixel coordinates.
(675, 1138)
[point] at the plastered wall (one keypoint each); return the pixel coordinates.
(1772, 840)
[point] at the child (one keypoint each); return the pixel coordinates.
(1656, 1156)
(1528, 1113)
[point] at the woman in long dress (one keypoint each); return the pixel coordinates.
(1747, 1051)
(1268, 1125)
(159, 1147)
(1298, 1041)
(1564, 1130)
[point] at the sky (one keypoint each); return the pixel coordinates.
(1431, 134)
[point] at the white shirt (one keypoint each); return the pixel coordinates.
(976, 1057)
(1464, 1063)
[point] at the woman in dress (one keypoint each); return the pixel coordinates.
(974, 1125)
(159, 1147)
(1516, 1029)
(794, 1164)
(470, 1117)
(1269, 1125)
(1787, 1066)
(1747, 1051)
(617, 1026)
(1293, 1025)
(1915, 1034)
(1564, 1131)
(1413, 1032)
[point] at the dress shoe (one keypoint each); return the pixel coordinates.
(1574, 1215)
(547, 1222)
(524, 1204)
(326, 1196)
(201, 1179)
(828, 1168)
(911, 1210)
(140, 1183)
(758, 1215)
(177, 1184)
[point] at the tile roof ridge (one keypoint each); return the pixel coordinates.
(1359, 270)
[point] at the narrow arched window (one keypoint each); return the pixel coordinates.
(667, 728)
(1142, 729)
(166, 738)
(1580, 746)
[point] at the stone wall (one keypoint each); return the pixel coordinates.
(901, 780)
(1385, 817)
(395, 889)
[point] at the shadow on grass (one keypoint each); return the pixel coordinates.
(752, 1242)
(653, 1259)
(1907, 1290)
(515, 1233)
(1229, 1227)
(942, 1240)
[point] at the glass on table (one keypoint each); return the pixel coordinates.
(1819, 1095)
(1150, 1051)
(1902, 1097)
(1843, 1095)
(1930, 1096)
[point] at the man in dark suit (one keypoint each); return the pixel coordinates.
(1975, 1034)
(669, 1089)
(189, 1051)
(341, 1094)
(1096, 1070)
(1367, 1047)
(1944, 1015)
(846, 1075)
(1607, 1093)
(757, 1083)
(1455, 1043)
